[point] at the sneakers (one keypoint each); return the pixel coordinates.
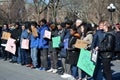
(42, 68)
(65, 75)
(71, 78)
(28, 65)
(52, 70)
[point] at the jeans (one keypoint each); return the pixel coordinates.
(74, 69)
(19, 56)
(24, 56)
(44, 58)
(14, 58)
(98, 75)
(54, 59)
(66, 67)
(34, 52)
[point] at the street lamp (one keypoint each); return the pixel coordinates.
(111, 8)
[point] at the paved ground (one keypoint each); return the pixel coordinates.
(9, 71)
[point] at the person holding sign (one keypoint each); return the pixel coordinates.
(53, 49)
(63, 46)
(86, 38)
(43, 44)
(34, 45)
(98, 37)
(5, 29)
(72, 52)
(24, 52)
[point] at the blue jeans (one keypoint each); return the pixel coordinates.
(74, 71)
(98, 74)
(14, 58)
(19, 56)
(24, 56)
(34, 52)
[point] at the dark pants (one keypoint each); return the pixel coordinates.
(118, 55)
(44, 58)
(98, 71)
(5, 54)
(24, 56)
(107, 69)
(53, 59)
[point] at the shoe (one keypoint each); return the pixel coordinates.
(33, 67)
(22, 64)
(5, 60)
(65, 75)
(84, 79)
(54, 71)
(71, 78)
(50, 70)
(40, 68)
(28, 65)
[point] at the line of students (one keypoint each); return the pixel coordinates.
(41, 47)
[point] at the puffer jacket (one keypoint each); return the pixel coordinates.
(43, 42)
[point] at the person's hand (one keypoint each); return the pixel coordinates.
(96, 48)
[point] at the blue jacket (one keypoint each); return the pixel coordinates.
(98, 37)
(24, 35)
(43, 42)
(34, 42)
(64, 44)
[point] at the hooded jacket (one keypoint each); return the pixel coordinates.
(43, 42)
(34, 41)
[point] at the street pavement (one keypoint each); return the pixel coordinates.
(9, 71)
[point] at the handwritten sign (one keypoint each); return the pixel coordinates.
(6, 35)
(81, 44)
(47, 34)
(25, 44)
(11, 46)
(85, 63)
(56, 41)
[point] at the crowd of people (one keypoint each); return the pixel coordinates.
(63, 60)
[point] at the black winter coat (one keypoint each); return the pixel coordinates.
(15, 34)
(54, 33)
(107, 46)
(117, 41)
(72, 52)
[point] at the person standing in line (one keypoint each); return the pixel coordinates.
(15, 34)
(64, 45)
(106, 50)
(72, 52)
(43, 44)
(97, 38)
(117, 42)
(53, 51)
(24, 52)
(34, 41)
(4, 42)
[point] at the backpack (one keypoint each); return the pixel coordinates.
(117, 41)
